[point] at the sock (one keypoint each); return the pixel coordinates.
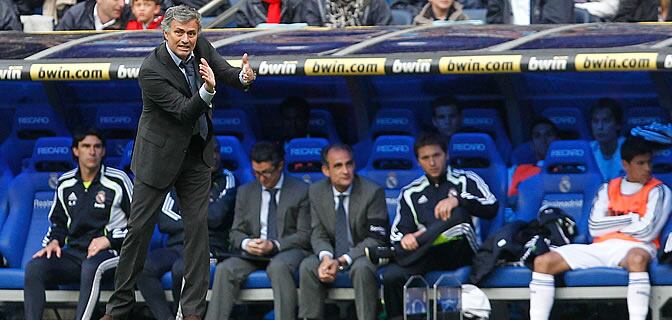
(639, 290)
(542, 293)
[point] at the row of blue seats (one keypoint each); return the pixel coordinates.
(119, 125)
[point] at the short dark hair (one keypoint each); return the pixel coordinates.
(546, 121)
(264, 151)
(78, 137)
(612, 105)
(429, 139)
(333, 146)
(635, 146)
(444, 101)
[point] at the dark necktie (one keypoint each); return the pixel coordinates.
(271, 220)
(202, 128)
(341, 228)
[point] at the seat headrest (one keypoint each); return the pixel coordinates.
(125, 161)
(466, 148)
(32, 123)
(481, 118)
(117, 118)
(321, 123)
(232, 153)
(569, 157)
(570, 121)
(393, 152)
(52, 154)
(231, 122)
(305, 154)
(394, 121)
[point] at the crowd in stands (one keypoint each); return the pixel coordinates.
(143, 14)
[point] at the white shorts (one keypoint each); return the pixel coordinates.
(608, 253)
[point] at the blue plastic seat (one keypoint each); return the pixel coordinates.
(31, 196)
(6, 177)
(640, 116)
(235, 158)
(303, 158)
(392, 165)
(234, 122)
(321, 125)
(523, 153)
(488, 121)
(125, 161)
(29, 125)
(118, 125)
(389, 121)
(570, 121)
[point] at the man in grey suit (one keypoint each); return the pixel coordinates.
(348, 213)
(174, 147)
(271, 221)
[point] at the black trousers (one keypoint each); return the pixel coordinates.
(157, 264)
(71, 268)
(448, 256)
(192, 186)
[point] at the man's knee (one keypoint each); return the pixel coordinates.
(637, 260)
(278, 268)
(549, 263)
(35, 270)
(393, 275)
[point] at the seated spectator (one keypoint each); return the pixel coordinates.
(147, 15)
(596, 10)
(525, 12)
(415, 6)
(88, 225)
(447, 117)
(606, 120)
(544, 132)
(638, 10)
(9, 16)
(255, 12)
(347, 13)
(95, 15)
(440, 10)
(170, 258)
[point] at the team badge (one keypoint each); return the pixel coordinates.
(565, 184)
(100, 200)
(391, 182)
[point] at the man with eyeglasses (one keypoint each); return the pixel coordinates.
(271, 227)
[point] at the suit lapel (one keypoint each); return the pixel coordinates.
(176, 76)
(255, 209)
(329, 208)
(285, 195)
(354, 208)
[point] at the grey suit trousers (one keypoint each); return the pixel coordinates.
(312, 292)
(231, 273)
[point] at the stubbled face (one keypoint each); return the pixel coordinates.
(89, 152)
(432, 159)
(542, 137)
(340, 170)
(145, 10)
(110, 8)
(639, 169)
(604, 125)
(266, 173)
(441, 4)
(181, 37)
(447, 119)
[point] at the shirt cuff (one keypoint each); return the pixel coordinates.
(325, 253)
(277, 244)
(206, 96)
(240, 77)
(348, 259)
(243, 245)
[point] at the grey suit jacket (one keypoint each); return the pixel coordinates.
(293, 215)
(367, 214)
(170, 112)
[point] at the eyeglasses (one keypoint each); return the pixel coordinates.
(266, 173)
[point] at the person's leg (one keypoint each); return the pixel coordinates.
(639, 287)
(363, 276)
(281, 272)
(394, 278)
(193, 187)
(229, 275)
(42, 273)
(312, 291)
(157, 264)
(542, 286)
(178, 276)
(89, 285)
(144, 213)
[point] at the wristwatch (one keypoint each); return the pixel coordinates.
(453, 192)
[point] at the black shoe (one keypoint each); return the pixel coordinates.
(380, 255)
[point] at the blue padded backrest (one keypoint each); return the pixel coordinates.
(30, 124)
(477, 152)
(52, 154)
(569, 180)
(569, 121)
(640, 116)
(31, 196)
(125, 161)
(523, 153)
(392, 165)
(235, 159)
(6, 177)
(488, 121)
(662, 166)
(394, 121)
(321, 125)
(118, 125)
(303, 158)
(234, 122)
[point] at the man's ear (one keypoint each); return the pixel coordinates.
(325, 171)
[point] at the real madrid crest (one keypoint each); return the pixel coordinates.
(100, 200)
(391, 182)
(565, 184)
(53, 180)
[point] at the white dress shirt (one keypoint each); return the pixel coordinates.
(346, 205)
(263, 212)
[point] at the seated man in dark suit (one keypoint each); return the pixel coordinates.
(170, 258)
(272, 227)
(348, 214)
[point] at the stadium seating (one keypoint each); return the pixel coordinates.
(125, 161)
(118, 125)
(5, 179)
(570, 121)
(303, 158)
(523, 153)
(234, 122)
(488, 121)
(31, 197)
(321, 125)
(29, 125)
(392, 121)
(639, 116)
(235, 158)
(392, 165)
